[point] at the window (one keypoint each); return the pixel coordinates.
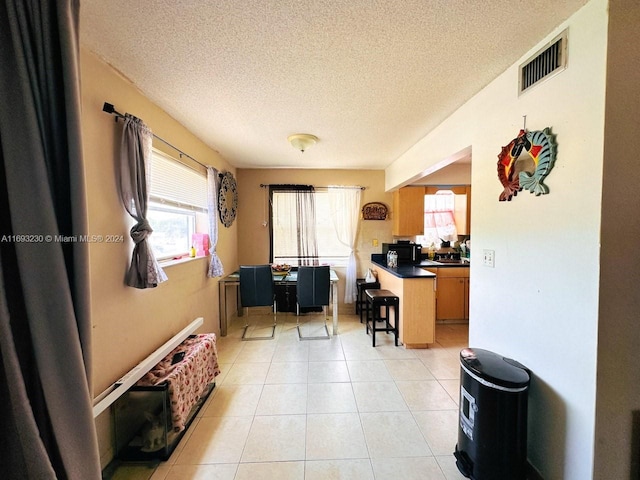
(439, 218)
(172, 230)
(177, 206)
(286, 218)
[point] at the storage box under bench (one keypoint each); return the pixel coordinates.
(153, 415)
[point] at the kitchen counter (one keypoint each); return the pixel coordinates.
(415, 271)
(415, 286)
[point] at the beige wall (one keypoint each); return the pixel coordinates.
(617, 446)
(253, 236)
(128, 324)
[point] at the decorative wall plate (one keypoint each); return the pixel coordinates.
(227, 199)
(517, 170)
(374, 211)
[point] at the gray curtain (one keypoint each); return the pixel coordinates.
(215, 265)
(46, 426)
(135, 152)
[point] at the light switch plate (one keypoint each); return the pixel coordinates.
(488, 258)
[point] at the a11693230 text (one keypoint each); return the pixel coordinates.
(42, 238)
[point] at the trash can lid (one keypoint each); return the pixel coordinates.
(494, 368)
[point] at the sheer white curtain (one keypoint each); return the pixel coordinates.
(294, 239)
(344, 203)
(215, 266)
(283, 223)
(306, 215)
(439, 218)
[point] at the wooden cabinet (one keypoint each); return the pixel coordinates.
(408, 211)
(452, 293)
(466, 298)
(450, 301)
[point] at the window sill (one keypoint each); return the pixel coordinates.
(177, 261)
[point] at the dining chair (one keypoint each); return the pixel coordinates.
(312, 290)
(256, 290)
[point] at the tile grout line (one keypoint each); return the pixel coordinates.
(307, 382)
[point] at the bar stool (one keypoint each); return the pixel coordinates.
(361, 301)
(376, 299)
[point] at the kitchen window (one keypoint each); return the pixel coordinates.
(439, 219)
(177, 206)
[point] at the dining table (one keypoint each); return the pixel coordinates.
(279, 278)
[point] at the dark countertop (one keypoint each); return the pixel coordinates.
(413, 271)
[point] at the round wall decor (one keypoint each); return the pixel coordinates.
(227, 199)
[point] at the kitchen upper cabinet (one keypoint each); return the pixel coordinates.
(408, 211)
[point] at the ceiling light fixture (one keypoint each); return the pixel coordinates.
(302, 141)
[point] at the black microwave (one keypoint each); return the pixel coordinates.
(408, 253)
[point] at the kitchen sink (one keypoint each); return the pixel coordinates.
(448, 261)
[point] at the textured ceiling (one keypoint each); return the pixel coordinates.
(369, 78)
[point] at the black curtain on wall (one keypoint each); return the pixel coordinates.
(46, 424)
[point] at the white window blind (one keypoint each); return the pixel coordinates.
(175, 184)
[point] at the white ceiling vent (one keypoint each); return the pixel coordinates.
(548, 61)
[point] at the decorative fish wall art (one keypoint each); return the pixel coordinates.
(525, 162)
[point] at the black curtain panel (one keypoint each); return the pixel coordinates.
(46, 426)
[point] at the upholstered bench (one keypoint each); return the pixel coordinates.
(153, 415)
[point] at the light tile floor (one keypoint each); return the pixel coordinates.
(323, 409)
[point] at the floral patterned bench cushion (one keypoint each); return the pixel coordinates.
(188, 369)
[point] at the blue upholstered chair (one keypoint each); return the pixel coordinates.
(312, 290)
(256, 290)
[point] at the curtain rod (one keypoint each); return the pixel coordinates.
(109, 108)
(263, 185)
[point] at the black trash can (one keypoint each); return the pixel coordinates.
(492, 433)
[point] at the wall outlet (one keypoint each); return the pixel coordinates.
(375, 242)
(488, 258)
